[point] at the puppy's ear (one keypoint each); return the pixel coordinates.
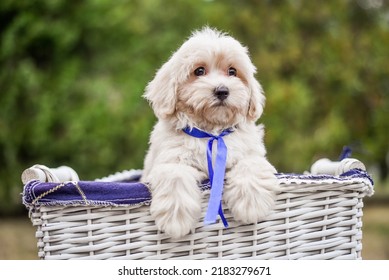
(257, 100)
(161, 92)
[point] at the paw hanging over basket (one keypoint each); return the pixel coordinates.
(316, 217)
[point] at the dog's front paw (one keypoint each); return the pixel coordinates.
(176, 203)
(174, 216)
(251, 198)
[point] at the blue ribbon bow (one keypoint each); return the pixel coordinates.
(216, 175)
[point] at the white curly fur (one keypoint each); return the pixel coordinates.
(176, 162)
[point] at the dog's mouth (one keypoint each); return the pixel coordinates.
(220, 103)
(219, 114)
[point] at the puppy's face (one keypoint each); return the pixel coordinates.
(208, 83)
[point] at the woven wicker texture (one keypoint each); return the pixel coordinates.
(313, 219)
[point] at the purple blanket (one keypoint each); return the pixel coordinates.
(85, 193)
(80, 193)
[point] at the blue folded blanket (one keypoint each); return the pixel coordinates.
(85, 193)
(37, 193)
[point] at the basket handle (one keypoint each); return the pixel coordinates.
(45, 174)
(326, 166)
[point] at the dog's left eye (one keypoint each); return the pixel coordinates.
(231, 71)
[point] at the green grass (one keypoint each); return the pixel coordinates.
(375, 228)
(18, 242)
(17, 239)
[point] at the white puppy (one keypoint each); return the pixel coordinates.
(208, 84)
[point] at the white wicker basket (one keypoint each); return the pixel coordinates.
(316, 217)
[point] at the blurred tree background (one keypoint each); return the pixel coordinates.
(72, 74)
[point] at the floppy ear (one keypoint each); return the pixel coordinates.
(257, 100)
(161, 92)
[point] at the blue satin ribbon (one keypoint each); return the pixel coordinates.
(216, 175)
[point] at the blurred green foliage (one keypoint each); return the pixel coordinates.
(72, 74)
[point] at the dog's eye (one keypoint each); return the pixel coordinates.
(199, 71)
(231, 71)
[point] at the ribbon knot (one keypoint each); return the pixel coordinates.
(216, 175)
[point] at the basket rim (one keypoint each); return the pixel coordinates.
(36, 193)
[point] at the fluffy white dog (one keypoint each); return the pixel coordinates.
(208, 84)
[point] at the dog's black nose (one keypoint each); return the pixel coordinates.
(221, 92)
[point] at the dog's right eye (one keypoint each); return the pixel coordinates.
(199, 71)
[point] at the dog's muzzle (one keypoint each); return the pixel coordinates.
(221, 92)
